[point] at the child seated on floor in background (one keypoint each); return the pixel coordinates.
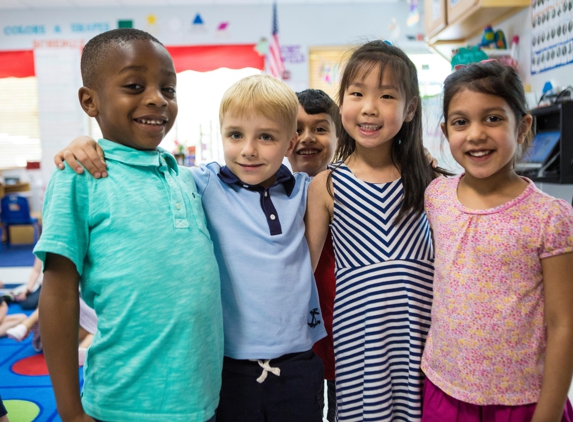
(8, 321)
(27, 295)
(130, 241)
(87, 329)
(255, 208)
(317, 126)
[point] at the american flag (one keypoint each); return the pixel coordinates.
(275, 62)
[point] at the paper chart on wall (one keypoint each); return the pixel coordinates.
(552, 37)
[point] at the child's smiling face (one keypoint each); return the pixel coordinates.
(316, 142)
(255, 145)
(374, 108)
(483, 133)
(134, 100)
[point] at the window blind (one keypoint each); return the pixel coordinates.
(19, 124)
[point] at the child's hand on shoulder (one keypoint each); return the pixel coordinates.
(84, 150)
(431, 160)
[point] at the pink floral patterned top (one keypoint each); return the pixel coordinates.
(487, 339)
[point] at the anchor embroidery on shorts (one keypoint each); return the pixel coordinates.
(314, 322)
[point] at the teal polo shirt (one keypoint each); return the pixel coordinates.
(146, 262)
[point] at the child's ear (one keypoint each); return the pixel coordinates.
(292, 144)
(524, 128)
(444, 129)
(88, 101)
(411, 110)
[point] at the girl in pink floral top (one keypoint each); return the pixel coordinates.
(500, 346)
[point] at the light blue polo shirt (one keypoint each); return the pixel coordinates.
(146, 262)
(270, 301)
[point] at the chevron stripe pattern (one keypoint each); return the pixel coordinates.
(384, 275)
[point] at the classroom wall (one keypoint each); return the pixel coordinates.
(300, 26)
(520, 24)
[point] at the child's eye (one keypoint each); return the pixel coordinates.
(493, 119)
(298, 131)
(458, 122)
(169, 90)
(387, 96)
(266, 137)
(355, 94)
(135, 87)
(235, 135)
(320, 130)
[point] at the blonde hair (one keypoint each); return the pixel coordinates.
(263, 94)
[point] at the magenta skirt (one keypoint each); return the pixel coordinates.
(439, 407)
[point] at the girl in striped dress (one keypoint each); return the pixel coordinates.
(373, 200)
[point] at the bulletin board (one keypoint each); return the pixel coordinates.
(325, 68)
(552, 36)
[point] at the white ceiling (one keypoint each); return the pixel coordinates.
(75, 4)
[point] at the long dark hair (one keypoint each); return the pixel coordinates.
(491, 78)
(407, 147)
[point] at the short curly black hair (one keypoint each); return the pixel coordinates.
(97, 48)
(316, 101)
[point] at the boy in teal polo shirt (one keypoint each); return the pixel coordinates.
(129, 241)
(255, 208)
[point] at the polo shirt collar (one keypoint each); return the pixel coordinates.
(134, 157)
(284, 177)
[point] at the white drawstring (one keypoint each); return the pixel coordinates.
(266, 369)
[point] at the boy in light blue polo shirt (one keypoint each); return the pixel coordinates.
(255, 211)
(129, 241)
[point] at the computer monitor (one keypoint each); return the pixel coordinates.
(541, 148)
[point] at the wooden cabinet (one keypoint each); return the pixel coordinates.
(435, 16)
(466, 19)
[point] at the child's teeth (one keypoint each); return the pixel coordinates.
(370, 127)
(479, 153)
(150, 122)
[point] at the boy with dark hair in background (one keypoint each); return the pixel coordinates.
(129, 241)
(318, 125)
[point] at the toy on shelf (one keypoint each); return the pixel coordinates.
(488, 37)
(494, 44)
(468, 55)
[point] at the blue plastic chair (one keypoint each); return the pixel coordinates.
(16, 211)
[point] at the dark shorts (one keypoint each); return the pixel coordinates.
(331, 400)
(3, 411)
(295, 395)
(31, 301)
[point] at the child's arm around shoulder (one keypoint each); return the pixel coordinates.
(319, 213)
(84, 150)
(59, 316)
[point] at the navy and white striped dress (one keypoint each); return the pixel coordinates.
(384, 275)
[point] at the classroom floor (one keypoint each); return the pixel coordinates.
(24, 384)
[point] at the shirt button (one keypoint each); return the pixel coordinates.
(245, 186)
(178, 206)
(266, 194)
(272, 217)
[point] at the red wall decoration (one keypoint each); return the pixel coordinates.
(201, 58)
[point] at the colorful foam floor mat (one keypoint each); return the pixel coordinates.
(25, 385)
